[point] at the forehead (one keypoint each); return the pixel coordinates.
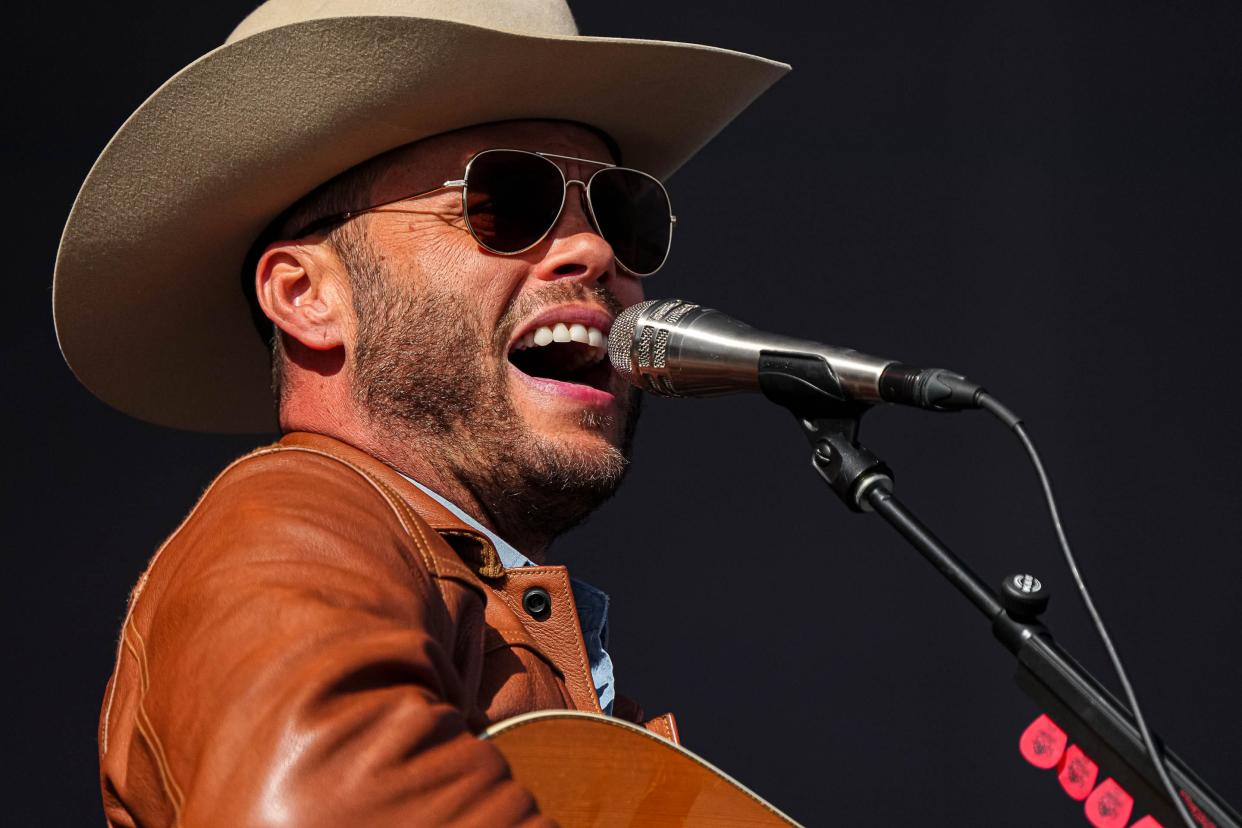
(429, 162)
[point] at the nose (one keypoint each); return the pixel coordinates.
(574, 249)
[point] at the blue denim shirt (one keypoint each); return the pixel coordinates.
(592, 604)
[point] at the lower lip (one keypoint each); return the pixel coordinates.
(584, 394)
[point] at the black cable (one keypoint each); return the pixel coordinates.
(1014, 422)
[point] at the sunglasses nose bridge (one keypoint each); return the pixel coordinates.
(584, 199)
(583, 191)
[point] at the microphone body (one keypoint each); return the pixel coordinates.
(678, 349)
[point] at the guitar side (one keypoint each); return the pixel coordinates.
(591, 770)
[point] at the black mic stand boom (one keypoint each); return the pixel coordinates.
(1080, 705)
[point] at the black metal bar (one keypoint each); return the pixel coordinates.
(937, 554)
(1078, 703)
(1087, 712)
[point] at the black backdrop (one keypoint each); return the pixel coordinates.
(1044, 196)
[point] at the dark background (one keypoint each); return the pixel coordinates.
(1043, 196)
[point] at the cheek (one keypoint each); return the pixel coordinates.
(447, 261)
(495, 285)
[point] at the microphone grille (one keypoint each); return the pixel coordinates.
(638, 343)
(621, 338)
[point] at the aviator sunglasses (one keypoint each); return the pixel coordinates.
(511, 200)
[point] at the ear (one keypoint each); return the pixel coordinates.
(301, 289)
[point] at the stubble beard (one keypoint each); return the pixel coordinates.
(423, 369)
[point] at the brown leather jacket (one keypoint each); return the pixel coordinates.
(318, 644)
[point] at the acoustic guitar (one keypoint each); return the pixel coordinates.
(590, 770)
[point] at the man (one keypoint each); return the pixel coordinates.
(428, 209)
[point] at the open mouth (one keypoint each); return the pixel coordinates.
(564, 352)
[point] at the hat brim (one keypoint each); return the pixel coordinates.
(146, 296)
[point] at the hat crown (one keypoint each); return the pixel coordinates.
(549, 18)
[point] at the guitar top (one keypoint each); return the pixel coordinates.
(593, 771)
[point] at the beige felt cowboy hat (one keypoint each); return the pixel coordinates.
(147, 295)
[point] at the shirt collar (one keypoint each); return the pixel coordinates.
(509, 556)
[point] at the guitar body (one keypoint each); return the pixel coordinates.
(594, 771)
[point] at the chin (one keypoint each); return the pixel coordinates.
(590, 433)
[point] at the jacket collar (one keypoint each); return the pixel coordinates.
(472, 546)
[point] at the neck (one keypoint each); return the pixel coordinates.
(426, 460)
(426, 463)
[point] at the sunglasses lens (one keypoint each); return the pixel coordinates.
(634, 216)
(512, 199)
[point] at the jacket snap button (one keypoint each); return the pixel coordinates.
(537, 603)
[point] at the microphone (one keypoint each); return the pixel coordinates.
(676, 348)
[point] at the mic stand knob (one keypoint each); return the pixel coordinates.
(1024, 597)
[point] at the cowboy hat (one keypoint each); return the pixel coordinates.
(149, 313)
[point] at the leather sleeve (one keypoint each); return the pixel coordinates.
(298, 666)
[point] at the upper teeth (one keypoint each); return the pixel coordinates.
(560, 332)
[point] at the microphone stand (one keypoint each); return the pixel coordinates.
(1090, 715)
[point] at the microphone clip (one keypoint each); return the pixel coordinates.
(849, 469)
(801, 382)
